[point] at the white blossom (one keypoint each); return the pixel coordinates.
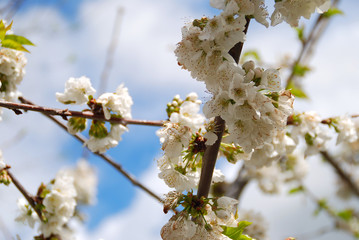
(77, 91)
(291, 10)
(119, 102)
(2, 163)
(85, 182)
(347, 130)
(60, 204)
(258, 229)
(12, 71)
(101, 145)
(27, 214)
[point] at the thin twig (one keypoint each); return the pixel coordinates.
(211, 152)
(342, 174)
(64, 113)
(111, 50)
(316, 32)
(105, 157)
(30, 199)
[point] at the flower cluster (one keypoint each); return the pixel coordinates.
(202, 218)
(4, 177)
(292, 10)
(248, 98)
(118, 104)
(184, 140)
(12, 71)
(58, 200)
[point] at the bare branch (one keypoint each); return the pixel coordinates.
(307, 47)
(111, 50)
(341, 173)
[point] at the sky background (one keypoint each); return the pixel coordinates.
(71, 40)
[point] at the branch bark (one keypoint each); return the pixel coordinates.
(105, 157)
(211, 153)
(64, 113)
(342, 174)
(26, 194)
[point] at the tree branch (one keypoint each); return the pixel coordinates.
(30, 199)
(64, 113)
(342, 174)
(316, 32)
(211, 152)
(235, 189)
(105, 157)
(111, 49)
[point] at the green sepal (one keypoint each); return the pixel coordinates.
(2, 30)
(236, 233)
(78, 123)
(309, 139)
(98, 129)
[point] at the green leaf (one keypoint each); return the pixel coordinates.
(235, 233)
(9, 43)
(322, 204)
(296, 190)
(332, 12)
(297, 91)
(2, 30)
(251, 53)
(300, 70)
(346, 214)
(300, 33)
(19, 39)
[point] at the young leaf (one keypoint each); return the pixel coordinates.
(346, 214)
(8, 43)
(296, 190)
(332, 12)
(296, 91)
(19, 39)
(2, 30)
(300, 33)
(300, 70)
(250, 54)
(235, 233)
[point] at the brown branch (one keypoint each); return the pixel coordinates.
(211, 152)
(342, 174)
(111, 49)
(235, 189)
(105, 157)
(30, 199)
(209, 159)
(64, 113)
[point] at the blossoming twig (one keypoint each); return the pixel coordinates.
(26, 194)
(211, 153)
(64, 113)
(107, 158)
(320, 24)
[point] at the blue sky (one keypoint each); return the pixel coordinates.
(72, 39)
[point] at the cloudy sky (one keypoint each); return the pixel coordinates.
(71, 40)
